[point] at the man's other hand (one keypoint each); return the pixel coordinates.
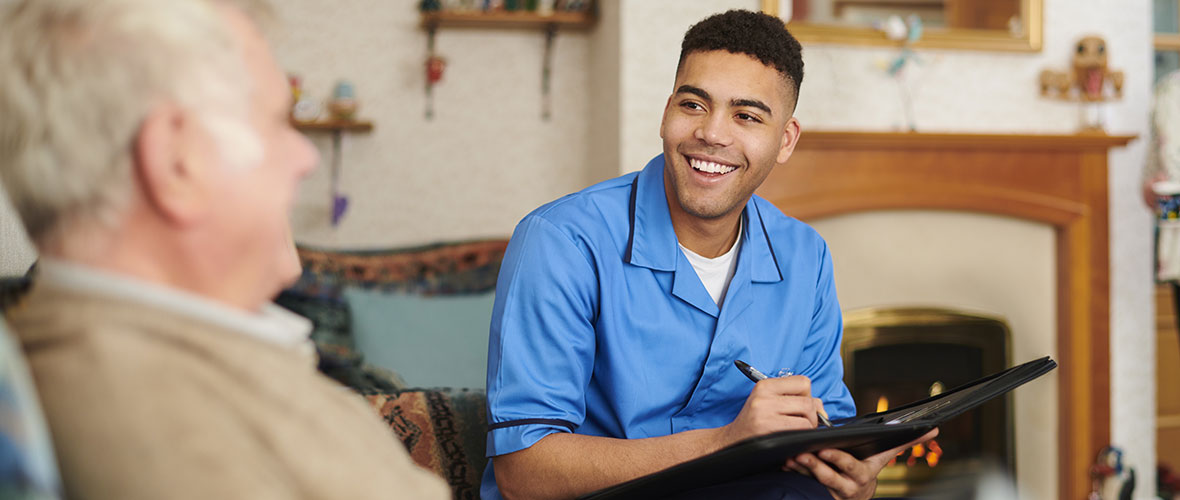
(846, 477)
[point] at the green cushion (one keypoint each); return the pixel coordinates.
(431, 341)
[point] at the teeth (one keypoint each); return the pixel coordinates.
(710, 167)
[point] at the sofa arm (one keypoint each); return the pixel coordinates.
(444, 430)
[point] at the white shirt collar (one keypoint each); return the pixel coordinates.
(272, 324)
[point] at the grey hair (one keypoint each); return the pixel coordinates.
(77, 79)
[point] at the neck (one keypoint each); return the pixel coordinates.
(147, 252)
(708, 238)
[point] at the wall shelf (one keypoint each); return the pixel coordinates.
(582, 20)
(548, 23)
(334, 126)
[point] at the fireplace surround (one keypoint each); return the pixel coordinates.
(1057, 180)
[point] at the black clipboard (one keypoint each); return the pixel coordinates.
(861, 436)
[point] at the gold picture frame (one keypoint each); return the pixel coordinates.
(962, 39)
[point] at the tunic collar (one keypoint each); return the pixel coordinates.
(652, 242)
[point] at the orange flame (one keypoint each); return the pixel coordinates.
(931, 451)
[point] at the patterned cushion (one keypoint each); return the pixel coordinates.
(443, 430)
(442, 268)
(438, 269)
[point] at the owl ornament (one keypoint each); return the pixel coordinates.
(1089, 80)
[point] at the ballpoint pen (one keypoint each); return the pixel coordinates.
(755, 375)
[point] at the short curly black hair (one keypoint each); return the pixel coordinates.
(761, 36)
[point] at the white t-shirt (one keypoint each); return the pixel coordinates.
(715, 273)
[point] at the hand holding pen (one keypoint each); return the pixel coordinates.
(757, 376)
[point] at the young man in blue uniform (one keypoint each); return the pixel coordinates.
(620, 309)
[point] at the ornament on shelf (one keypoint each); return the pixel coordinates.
(1089, 80)
(303, 108)
(343, 104)
(1108, 466)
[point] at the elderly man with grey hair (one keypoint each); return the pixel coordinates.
(146, 147)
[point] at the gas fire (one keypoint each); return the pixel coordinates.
(931, 452)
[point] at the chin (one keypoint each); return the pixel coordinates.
(706, 212)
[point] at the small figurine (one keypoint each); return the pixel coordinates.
(1108, 466)
(343, 104)
(1089, 74)
(303, 109)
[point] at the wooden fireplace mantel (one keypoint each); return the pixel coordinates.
(1060, 180)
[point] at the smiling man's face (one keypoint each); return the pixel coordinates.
(726, 126)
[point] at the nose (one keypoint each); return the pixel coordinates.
(714, 130)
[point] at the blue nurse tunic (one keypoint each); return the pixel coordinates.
(602, 327)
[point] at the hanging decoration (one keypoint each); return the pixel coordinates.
(435, 65)
(907, 32)
(343, 107)
(547, 72)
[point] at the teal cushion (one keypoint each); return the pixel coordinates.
(431, 341)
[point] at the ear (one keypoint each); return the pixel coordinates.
(791, 134)
(664, 117)
(168, 153)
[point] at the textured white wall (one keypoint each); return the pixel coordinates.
(606, 51)
(485, 160)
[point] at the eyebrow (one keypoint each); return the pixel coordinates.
(752, 103)
(749, 103)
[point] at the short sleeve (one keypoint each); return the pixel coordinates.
(541, 344)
